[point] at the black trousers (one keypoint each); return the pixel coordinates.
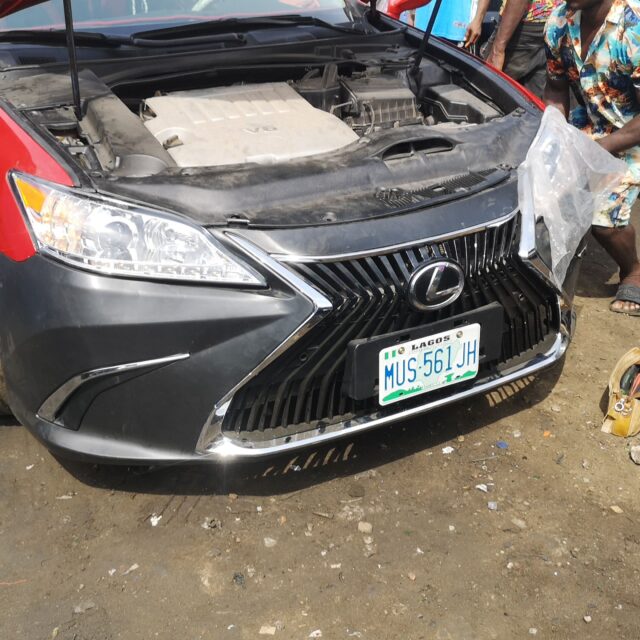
(525, 59)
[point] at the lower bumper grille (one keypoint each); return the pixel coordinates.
(302, 389)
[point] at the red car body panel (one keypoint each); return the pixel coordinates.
(20, 152)
(11, 6)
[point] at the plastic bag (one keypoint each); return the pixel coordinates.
(565, 179)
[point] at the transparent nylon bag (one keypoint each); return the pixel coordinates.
(565, 179)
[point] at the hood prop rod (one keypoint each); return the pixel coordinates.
(374, 8)
(73, 60)
(425, 40)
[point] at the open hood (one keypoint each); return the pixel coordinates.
(11, 6)
(8, 7)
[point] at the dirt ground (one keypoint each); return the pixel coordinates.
(383, 536)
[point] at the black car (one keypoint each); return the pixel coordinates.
(239, 228)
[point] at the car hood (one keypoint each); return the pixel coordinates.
(8, 7)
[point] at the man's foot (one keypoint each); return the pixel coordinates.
(628, 296)
(620, 244)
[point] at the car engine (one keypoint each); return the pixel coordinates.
(276, 122)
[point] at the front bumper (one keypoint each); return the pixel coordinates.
(225, 447)
(114, 370)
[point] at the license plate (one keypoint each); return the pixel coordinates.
(430, 363)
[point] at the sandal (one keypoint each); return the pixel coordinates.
(623, 413)
(627, 293)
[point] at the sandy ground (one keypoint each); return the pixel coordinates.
(384, 536)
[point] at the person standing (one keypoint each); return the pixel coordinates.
(593, 48)
(517, 44)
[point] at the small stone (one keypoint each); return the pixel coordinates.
(282, 520)
(447, 450)
(411, 576)
(270, 543)
(279, 625)
(509, 565)
(460, 438)
(368, 540)
(517, 433)
(155, 520)
(586, 464)
(419, 551)
(55, 632)
(634, 453)
(84, 607)
(492, 506)
(482, 487)
(533, 631)
(356, 490)
(521, 524)
(365, 527)
(233, 496)
(316, 634)
(238, 579)
(451, 528)
(267, 630)
(112, 572)
(556, 408)
(131, 569)
(28, 468)
(616, 509)
(587, 619)
(211, 523)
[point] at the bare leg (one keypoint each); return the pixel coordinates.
(620, 244)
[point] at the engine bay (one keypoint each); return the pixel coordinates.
(275, 122)
(284, 135)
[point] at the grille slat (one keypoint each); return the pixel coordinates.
(303, 388)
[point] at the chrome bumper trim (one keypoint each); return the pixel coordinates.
(321, 306)
(225, 447)
(498, 222)
(53, 404)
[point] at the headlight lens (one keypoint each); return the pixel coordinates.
(117, 239)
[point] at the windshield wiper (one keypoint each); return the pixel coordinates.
(58, 37)
(194, 29)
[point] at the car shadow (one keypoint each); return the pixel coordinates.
(287, 474)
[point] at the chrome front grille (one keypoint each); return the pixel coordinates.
(303, 388)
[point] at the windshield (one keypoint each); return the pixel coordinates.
(103, 14)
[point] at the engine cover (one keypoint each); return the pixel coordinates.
(261, 123)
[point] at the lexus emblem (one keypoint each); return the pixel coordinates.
(435, 285)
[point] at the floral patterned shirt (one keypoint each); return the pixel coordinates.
(538, 11)
(608, 77)
(607, 80)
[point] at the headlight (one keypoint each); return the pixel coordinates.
(115, 238)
